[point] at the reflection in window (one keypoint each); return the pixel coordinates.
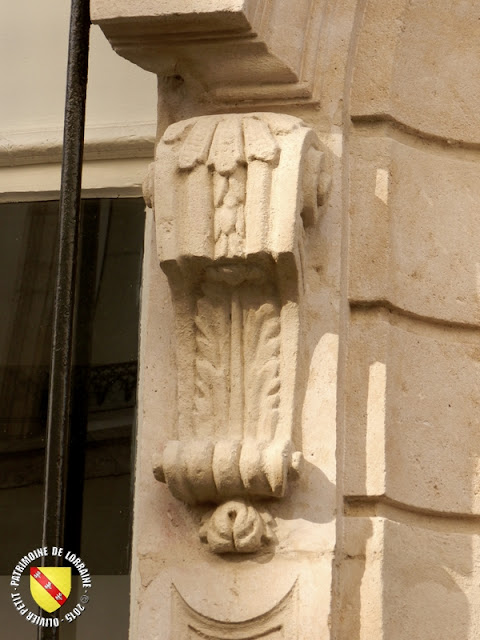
(105, 375)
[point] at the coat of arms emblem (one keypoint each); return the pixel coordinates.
(50, 586)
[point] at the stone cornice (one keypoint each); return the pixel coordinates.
(241, 51)
(110, 142)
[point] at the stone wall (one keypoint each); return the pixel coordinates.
(375, 290)
(409, 553)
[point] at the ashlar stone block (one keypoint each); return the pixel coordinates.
(412, 411)
(415, 227)
(409, 577)
(416, 65)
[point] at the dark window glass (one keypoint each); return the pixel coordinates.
(105, 375)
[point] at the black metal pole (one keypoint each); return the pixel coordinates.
(81, 358)
(58, 423)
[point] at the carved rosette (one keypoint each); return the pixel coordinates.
(232, 196)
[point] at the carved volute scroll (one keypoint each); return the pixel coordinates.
(232, 196)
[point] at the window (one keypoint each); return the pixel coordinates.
(103, 404)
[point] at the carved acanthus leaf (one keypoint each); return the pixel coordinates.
(262, 369)
(197, 144)
(212, 337)
(259, 142)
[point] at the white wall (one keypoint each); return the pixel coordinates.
(33, 55)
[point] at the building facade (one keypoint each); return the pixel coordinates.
(305, 460)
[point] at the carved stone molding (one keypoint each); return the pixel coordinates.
(232, 196)
(279, 623)
(252, 50)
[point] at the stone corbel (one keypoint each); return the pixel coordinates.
(232, 197)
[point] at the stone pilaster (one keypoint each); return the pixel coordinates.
(282, 317)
